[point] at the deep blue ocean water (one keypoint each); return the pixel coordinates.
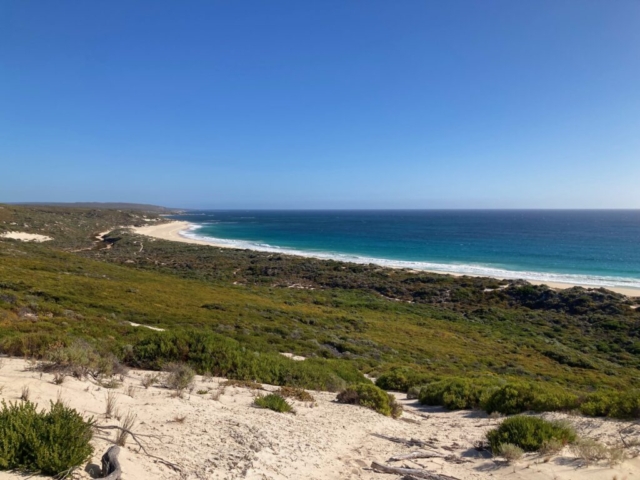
(600, 248)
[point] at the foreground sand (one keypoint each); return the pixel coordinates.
(229, 438)
(171, 231)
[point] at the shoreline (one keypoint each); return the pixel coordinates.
(171, 231)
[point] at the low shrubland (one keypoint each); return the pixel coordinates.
(225, 357)
(370, 396)
(529, 433)
(47, 442)
(71, 302)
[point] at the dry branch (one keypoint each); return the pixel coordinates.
(411, 472)
(419, 454)
(412, 442)
(135, 437)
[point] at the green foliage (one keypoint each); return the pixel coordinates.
(370, 396)
(612, 404)
(45, 442)
(225, 357)
(273, 402)
(401, 379)
(529, 433)
(518, 397)
(458, 393)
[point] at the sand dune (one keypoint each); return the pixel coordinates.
(229, 438)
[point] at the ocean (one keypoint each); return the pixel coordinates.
(597, 247)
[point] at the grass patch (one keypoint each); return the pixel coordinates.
(273, 402)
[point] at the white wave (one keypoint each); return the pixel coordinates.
(453, 268)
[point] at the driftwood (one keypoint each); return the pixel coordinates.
(412, 442)
(410, 472)
(419, 454)
(110, 465)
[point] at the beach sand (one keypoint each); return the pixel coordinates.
(171, 231)
(229, 438)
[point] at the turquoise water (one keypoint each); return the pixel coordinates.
(599, 248)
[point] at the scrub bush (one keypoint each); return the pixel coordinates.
(518, 397)
(529, 433)
(370, 396)
(43, 442)
(457, 393)
(401, 379)
(612, 404)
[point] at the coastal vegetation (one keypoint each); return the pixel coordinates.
(84, 304)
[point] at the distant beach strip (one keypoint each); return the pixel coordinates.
(186, 232)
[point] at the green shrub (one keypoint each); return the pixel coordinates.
(401, 379)
(529, 433)
(457, 393)
(612, 404)
(45, 442)
(370, 396)
(225, 357)
(273, 402)
(518, 397)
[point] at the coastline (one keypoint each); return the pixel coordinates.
(171, 231)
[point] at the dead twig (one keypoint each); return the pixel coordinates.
(411, 472)
(419, 454)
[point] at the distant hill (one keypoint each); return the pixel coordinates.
(107, 205)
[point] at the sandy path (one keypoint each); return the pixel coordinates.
(171, 231)
(230, 439)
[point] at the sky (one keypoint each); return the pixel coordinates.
(322, 104)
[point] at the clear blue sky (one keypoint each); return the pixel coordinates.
(322, 104)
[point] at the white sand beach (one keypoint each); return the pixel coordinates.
(171, 231)
(229, 438)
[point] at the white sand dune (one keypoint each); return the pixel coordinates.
(229, 438)
(26, 237)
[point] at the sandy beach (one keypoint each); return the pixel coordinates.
(171, 231)
(226, 437)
